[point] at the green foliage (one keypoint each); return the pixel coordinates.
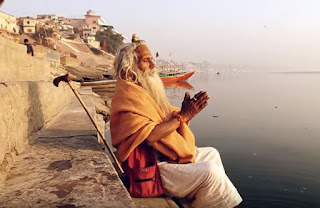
(113, 40)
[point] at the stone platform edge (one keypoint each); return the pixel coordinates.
(64, 166)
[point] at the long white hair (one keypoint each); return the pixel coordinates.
(126, 60)
(127, 69)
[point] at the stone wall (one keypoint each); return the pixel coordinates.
(69, 61)
(25, 108)
(51, 56)
(16, 65)
(8, 23)
(94, 43)
(28, 99)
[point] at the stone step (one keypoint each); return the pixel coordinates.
(64, 166)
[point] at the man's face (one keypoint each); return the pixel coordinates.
(145, 59)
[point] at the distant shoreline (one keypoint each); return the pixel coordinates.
(299, 72)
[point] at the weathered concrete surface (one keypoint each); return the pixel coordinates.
(16, 65)
(154, 203)
(64, 166)
(70, 61)
(44, 53)
(25, 108)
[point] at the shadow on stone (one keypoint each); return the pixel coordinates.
(67, 206)
(60, 165)
(34, 112)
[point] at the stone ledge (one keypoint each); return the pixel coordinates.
(63, 166)
(25, 108)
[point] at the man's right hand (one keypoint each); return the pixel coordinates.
(192, 106)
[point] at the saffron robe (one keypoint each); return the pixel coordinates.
(134, 114)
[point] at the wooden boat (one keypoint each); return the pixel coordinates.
(108, 76)
(175, 76)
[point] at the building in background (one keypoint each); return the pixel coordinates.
(94, 22)
(66, 30)
(47, 17)
(8, 24)
(27, 24)
(87, 32)
(77, 23)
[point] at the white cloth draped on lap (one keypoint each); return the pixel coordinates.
(205, 181)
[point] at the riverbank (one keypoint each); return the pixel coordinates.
(63, 165)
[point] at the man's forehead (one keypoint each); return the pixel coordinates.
(143, 51)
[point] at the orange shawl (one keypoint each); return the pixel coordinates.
(134, 114)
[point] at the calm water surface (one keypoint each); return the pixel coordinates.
(266, 127)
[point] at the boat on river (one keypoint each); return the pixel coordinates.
(175, 76)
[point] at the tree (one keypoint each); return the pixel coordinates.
(113, 40)
(47, 32)
(43, 33)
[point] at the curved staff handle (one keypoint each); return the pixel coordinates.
(66, 79)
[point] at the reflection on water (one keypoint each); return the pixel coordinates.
(267, 129)
(184, 85)
(175, 90)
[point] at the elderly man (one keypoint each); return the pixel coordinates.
(142, 114)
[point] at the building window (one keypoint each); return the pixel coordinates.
(28, 22)
(94, 22)
(29, 30)
(94, 28)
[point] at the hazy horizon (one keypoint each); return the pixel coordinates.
(270, 33)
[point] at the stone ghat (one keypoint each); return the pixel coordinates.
(64, 166)
(28, 100)
(25, 108)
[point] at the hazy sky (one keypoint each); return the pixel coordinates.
(265, 32)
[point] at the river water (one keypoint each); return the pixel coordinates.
(267, 128)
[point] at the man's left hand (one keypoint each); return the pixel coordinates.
(191, 107)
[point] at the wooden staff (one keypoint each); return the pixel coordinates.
(66, 79)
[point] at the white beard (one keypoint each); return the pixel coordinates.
(150, 81)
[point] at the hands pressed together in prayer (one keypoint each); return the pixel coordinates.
(192, 106)
(189, 109)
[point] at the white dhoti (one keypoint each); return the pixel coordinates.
(205, 181)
